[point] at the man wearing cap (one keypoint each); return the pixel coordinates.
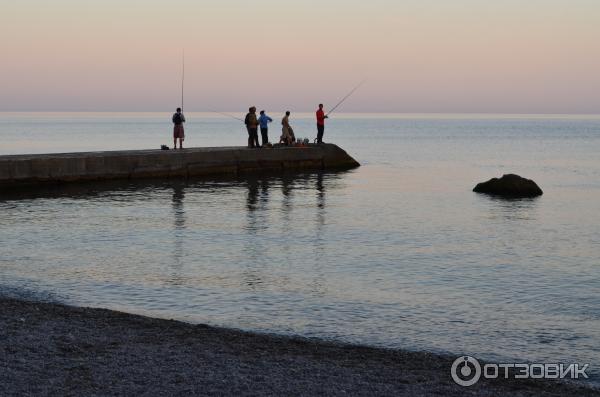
(264, 121)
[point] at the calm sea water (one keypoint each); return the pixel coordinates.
(397, 253)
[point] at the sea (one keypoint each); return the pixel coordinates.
(398, 253)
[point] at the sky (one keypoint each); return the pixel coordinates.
(417, 56)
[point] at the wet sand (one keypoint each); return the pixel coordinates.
(52, 349)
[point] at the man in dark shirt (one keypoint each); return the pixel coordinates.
(252, 126)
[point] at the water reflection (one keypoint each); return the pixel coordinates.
(319, 286)
(84, 190)
(257, 199)
(263, 225)
(260, 201)
(179, 220)
(510, 209)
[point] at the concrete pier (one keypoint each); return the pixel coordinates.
(131, 164)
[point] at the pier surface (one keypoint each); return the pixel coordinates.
(132, 164)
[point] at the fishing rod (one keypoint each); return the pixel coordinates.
(226, 114)
(346, 97)
(182, 76)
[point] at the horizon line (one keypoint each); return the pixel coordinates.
(312, 111)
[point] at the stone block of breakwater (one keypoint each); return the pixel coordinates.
(510, 185)
(133, 164)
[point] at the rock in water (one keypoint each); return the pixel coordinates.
(509, 185)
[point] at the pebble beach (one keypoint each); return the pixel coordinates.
(53, 349)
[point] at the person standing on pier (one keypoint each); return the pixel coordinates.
(287, 133)
(178, 133)
(264, 121)
(321, 116)
(252, 126)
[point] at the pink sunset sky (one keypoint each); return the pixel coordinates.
(475, 56)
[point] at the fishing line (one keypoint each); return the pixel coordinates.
(226, 114)
(346, 97)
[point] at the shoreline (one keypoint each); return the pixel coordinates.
(50, 348)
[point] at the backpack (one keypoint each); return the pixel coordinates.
(177, 118)
(247, 119)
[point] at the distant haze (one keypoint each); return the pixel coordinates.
(505, 56)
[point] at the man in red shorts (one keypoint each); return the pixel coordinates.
(178, 120)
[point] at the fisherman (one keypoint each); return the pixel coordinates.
(264, 121)
(321, 116)
(252, 127)
(287, 133)
(178, 120)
